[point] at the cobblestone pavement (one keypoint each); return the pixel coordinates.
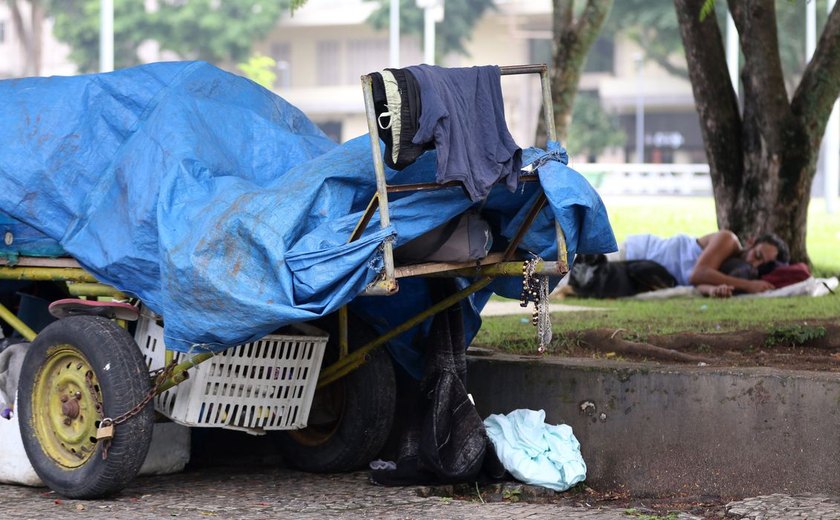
(785, 506)
(226, 493)
(278, 493)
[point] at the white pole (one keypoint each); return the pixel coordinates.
(429, 36)
(831, 159)
(394, 31)
(810, 29)
(640, 110)
(831, 153)
(732, 53)
(106, 35)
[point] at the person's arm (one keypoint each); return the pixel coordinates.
(717, 247)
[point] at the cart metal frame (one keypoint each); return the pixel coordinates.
(83, 284)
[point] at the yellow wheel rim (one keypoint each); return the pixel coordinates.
(324, 417)
(65, 413)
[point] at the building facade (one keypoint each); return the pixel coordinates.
(323, 49)
(325, 46)
(14, 62)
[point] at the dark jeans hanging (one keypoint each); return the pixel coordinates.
(445, 441)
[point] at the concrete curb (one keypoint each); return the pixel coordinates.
(661, 430)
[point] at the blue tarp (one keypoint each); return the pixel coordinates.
(227, 211)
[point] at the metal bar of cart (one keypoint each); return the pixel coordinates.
(358, 357)
(387, 283)
(16, 323)
(48, 274)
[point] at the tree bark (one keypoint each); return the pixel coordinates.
(21, 32)
(777, 154)
(30, 36)
(716, 103)
(611, 341)
(762, 162)
(37, 31)
(572, 40)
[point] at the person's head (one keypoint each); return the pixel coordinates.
(766, 248)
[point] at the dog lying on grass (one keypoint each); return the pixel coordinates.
(593, 276)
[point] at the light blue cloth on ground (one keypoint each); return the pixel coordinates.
(535, 452)
(677, 254)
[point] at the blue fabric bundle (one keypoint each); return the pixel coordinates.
(534, 452)
(228, 212)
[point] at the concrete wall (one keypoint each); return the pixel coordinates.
(699, 431)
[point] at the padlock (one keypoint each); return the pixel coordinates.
(105, 431)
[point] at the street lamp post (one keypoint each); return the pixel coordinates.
(831, 152)
(640, 109)
(829, 163)
(394, 34)
(732, 52)
(106, 35)
(432, 14)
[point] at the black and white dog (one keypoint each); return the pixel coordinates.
(593, 276)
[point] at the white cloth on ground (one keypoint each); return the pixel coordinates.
(810, 287)
(534, 452)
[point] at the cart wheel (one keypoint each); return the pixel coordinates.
(350, 419)
(72, 366)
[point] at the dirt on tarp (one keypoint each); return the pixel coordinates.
(811, 345)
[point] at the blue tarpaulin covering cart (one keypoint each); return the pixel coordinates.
(231, 216)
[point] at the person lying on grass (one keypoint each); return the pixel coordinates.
(710, 262)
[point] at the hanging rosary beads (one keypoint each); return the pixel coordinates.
(535, 289)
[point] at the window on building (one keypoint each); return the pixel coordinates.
(332, 129)
(282, 54)
(365, 56)
(601, 56)
(539, 51)
(328, 63)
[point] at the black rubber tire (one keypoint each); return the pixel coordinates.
(122, 377)
(351, 419)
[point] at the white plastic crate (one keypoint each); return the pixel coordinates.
(267, 384)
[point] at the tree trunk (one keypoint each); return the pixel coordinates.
(37, 29)
(30, 36)
(21, 32)
(763, 161)
(572, 41)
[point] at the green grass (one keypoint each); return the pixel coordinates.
(666, 216)
(640, 318)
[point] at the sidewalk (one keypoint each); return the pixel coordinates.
(508, 307)
(257, 493)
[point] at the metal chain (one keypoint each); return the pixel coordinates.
(159, 375)
(100, 408)
(94, 395)
(535, 289)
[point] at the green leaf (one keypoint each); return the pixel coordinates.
(210, 30)
(706, 9)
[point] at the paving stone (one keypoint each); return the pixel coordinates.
(777, 505)
(250, 494)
